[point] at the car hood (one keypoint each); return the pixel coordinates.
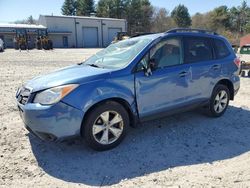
(76, 74)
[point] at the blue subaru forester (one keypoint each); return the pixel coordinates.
(131, 81)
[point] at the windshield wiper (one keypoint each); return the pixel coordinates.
(94, 65)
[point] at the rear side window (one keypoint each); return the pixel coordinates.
(197, 49)
(221, 50)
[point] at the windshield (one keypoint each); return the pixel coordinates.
(119, 54)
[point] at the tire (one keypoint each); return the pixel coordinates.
(98, 130)
(219, 101)
(248, 74)
(242, 74)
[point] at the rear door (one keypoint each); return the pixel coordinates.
(199, 56)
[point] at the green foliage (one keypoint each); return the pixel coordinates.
(85, 7)
(247, 28)
(220, 18)
(232, 23)
(69, 8)
(111, 8)
(181, 16)
(29, 20)
(103, 8)
(161, 21)
(142, 17)
(138, 13)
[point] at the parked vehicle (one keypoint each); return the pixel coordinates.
(132, 81)
(244, 54)
(120, 36)
(1, 45)
(43, 41)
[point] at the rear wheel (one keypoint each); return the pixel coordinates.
(106, 126)
(242, 73)
(219, 101)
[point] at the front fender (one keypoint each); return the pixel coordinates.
(88, 94)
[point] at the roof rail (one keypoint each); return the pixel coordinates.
(182, 30)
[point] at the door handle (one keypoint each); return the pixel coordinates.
(216, 67)
(183, 73)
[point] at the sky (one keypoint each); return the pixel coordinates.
(12, 10)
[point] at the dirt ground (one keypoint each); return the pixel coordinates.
(184, 150)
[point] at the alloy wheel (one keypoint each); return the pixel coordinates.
(220, 102)
(108, 127)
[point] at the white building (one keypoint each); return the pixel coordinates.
(69, 31)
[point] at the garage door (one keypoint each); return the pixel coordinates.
(90, 37)
(112, 32)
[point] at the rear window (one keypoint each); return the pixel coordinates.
(221, 50)
(197, 49)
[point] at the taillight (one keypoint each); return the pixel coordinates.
(237, 61)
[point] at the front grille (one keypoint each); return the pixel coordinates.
(23, 95)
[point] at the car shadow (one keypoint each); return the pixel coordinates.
(184, 139)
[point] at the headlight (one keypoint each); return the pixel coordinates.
(53, 95)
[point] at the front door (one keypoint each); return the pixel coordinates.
(167, 87)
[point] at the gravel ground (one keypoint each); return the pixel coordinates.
(185, 150)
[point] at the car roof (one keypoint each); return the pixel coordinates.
(150, 36)
(183, 32)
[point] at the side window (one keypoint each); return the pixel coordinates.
(197, 49)
(143, 64)
(167, 53)
(221, 49)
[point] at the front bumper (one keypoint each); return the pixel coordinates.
(54, 122)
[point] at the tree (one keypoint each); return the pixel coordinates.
(244, 15)
(134, 17)
(147, 13)
(103, 8)
(118, 8)
(181, 16)
(85, 7)
(161, 21)
(201, 21)
(29, 20)
(220, 18)
(111, 8)
(138, 15)
(69, 8)
(235, 20)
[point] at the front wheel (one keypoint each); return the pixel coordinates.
(105, 126)
(219, 101)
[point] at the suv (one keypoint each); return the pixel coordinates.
(131, 81)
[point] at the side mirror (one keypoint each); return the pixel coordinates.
(151, 67)
(152, 64)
